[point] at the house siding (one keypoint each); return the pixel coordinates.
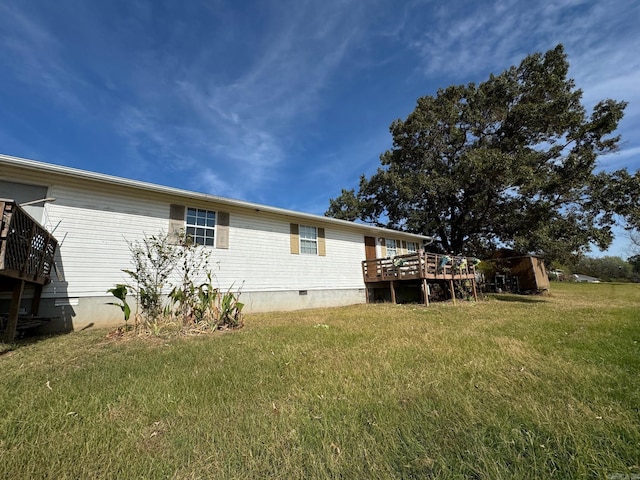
(95, 227)
(95, 221)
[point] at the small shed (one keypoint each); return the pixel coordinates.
(517, 273)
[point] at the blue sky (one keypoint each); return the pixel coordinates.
(277, 102)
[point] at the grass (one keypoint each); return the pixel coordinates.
(512, 387)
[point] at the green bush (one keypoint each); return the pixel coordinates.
(183, 268)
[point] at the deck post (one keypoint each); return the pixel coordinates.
(393, 291)
(475, 291)
(453, 291)
(35, 301)
(425, 291)
(14, 309)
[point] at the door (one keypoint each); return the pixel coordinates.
(370, 248)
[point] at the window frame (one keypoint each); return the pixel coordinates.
(305, 241)
(387, 243)
(208, 226)
(415, 244)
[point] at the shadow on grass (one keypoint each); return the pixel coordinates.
(29, 337)
(513, 298)
(7, 348)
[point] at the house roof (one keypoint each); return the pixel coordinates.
(32, 165)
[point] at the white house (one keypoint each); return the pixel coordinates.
(283, 259)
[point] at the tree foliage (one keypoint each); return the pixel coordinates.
(507, 162)
(605, 268)
(634, 236)
(634, 261)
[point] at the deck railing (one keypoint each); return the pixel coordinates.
(26, 248)
(417, 266)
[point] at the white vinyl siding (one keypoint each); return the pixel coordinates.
(94, 229)
(95, 222)
(256, 251)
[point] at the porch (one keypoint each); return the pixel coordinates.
(27, 252)
(421, 269)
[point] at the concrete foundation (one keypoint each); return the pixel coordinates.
(68, 314)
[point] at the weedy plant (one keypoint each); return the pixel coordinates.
(154, 259)
(193, 301)
(120, 292)
(230, 310)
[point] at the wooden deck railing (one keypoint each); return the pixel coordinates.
(26, 248)
(418, 266)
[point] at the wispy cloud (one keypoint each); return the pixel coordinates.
(243, 123)
(175, 109)
(493, 35)
(34, 54)
(237, 98)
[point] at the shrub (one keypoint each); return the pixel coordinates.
(193, 302)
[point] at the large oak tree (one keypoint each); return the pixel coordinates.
(508, 162)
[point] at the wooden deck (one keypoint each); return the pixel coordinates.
(26, 248)
(27, 252)
(419, 267)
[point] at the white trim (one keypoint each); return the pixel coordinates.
(209, 231)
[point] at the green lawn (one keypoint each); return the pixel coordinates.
(511, 387)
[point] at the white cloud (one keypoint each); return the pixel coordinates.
(211, 183)
(491, 36)
(176, 109)
(169, 92)
(34, 55)
(249, 120)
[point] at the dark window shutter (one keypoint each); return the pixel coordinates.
(222, 230)
(322, 244)
(294, 238)
(176, 223)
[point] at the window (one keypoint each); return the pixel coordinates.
(392, 247)
(201, 226)
(412, 247)
(308, 240)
